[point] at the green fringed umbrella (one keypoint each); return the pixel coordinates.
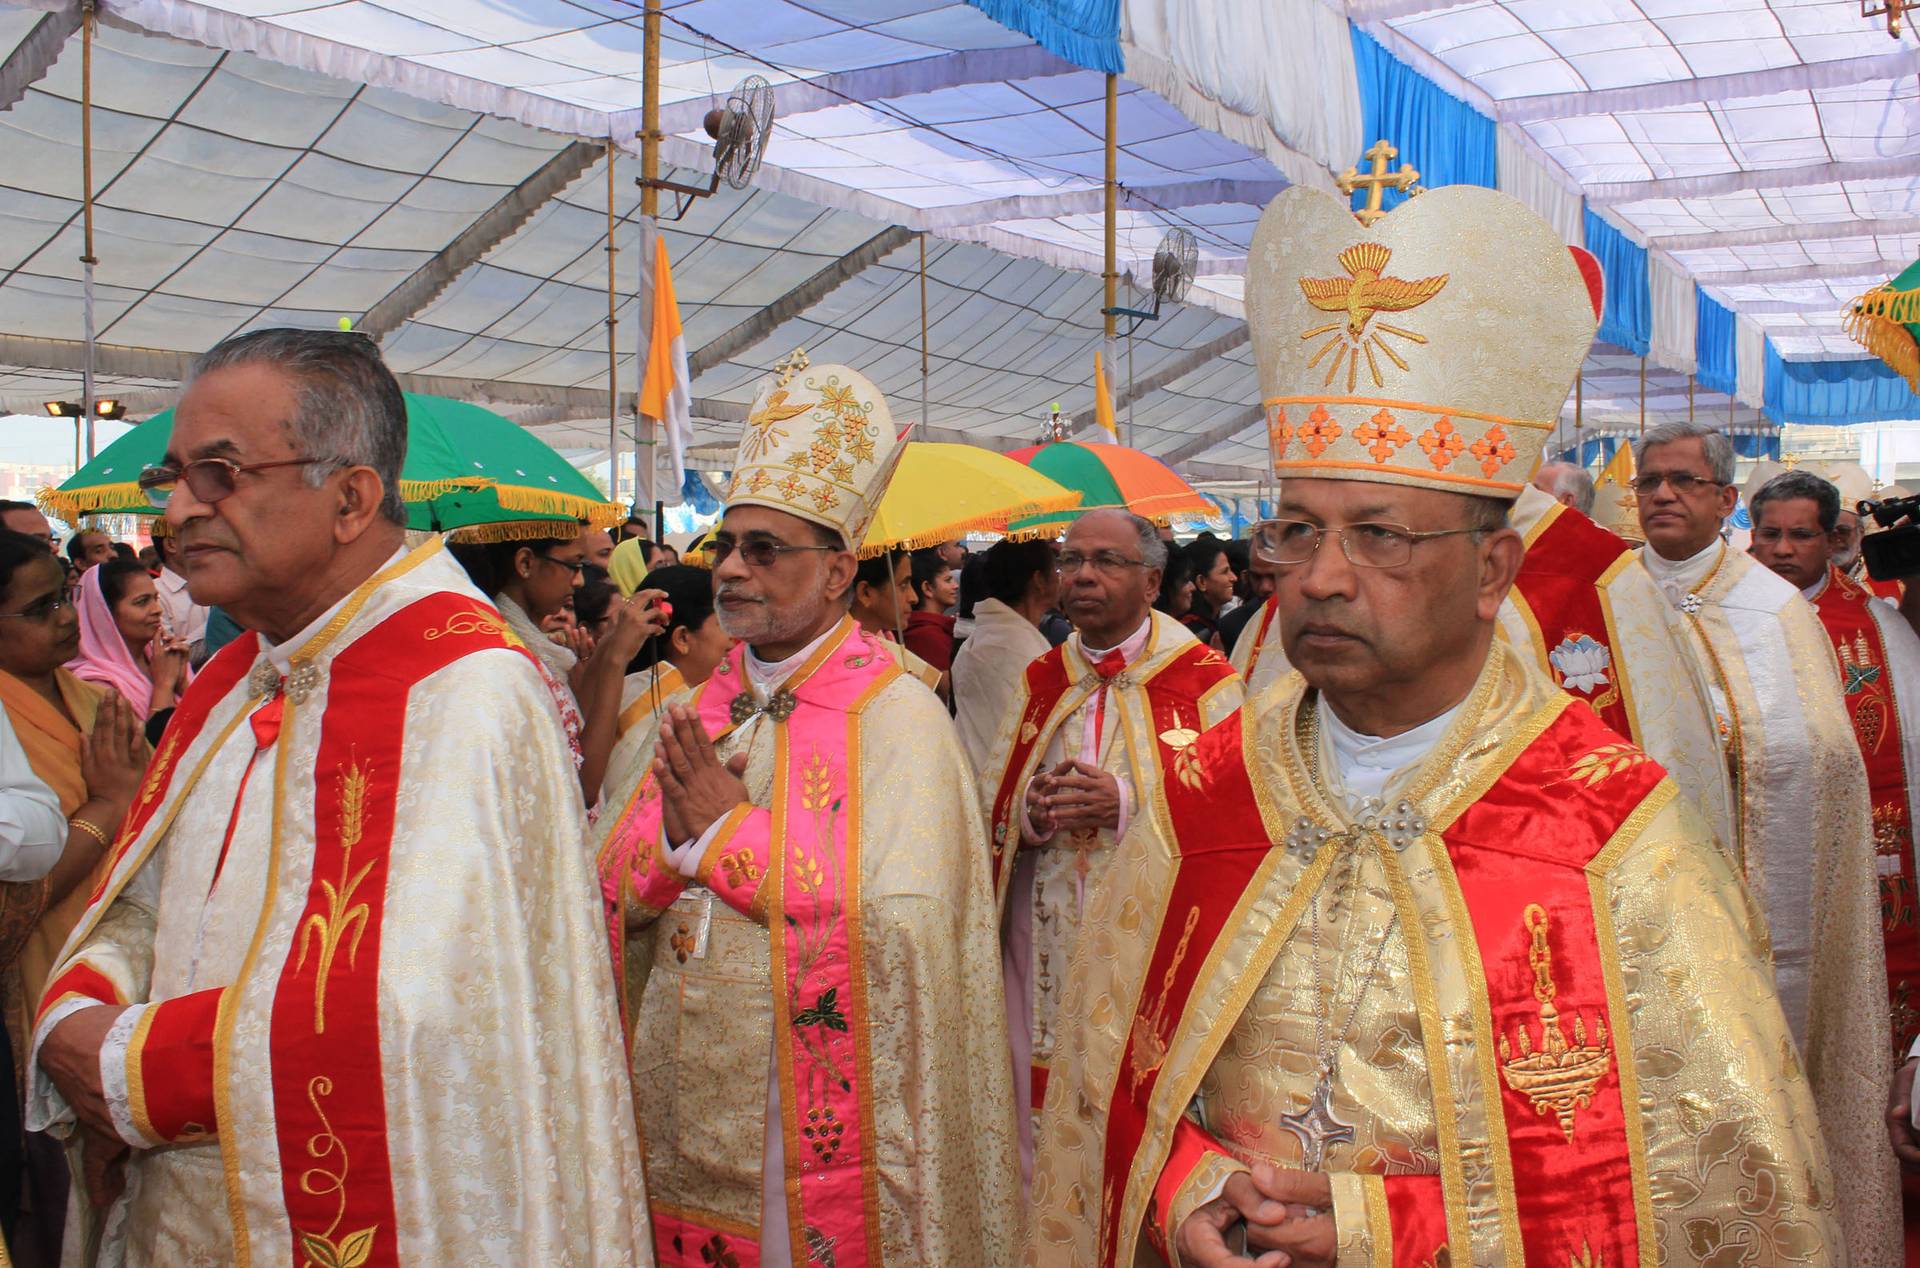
(1107, 476)
(1886, 322)
(468, 471)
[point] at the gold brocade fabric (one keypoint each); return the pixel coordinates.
(941, 1095)
(1051, 872)
(1661, 684)
(1805, 843)
(1736, 1169)
(508, 1114)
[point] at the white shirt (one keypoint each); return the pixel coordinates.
(1367, 767)
(33, 832)
(181, 616)
(986, 676)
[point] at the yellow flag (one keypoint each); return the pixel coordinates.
(1619, 469)
(1103, 397)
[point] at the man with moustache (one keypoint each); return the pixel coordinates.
(341, 998)
(819, 1047)
(1426, 965)
(1094, 729)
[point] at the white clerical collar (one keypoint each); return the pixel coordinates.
(764, 676)
(1818, 588)
(1129, 647)
(1367, 765)
(280, 655)
(1687, 572)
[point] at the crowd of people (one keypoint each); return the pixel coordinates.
(1430, 876)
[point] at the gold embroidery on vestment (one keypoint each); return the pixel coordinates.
(339, 918)
(1559, 1076)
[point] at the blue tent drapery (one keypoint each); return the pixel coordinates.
(1084, 32)
(1626, 310)
(694, 493)
(1444, 139)
(1835, 393)
(1750, 446)
(1713, 345)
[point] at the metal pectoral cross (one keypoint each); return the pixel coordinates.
(1316, 1127)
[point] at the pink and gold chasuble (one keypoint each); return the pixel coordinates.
(794, 922)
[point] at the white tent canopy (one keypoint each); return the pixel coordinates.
(436, 171)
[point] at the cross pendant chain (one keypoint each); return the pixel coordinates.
(1316, 1126)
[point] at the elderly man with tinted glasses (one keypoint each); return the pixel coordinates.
(347, 930)
(818, 1043)
(1094, 727)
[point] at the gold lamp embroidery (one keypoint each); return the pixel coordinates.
(1363, 295)
(1557, 1077)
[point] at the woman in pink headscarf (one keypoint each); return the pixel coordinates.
(122, 644)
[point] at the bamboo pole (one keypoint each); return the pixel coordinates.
(87, 258)
(1643, 396)
(1689, 398)
(646, 431)
(1112, 277)
(613, 351)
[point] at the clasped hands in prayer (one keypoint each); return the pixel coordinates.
(1073, 797)
(1287, 1218)
(697, 789)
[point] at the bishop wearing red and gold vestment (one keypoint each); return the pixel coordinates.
(1427, 965)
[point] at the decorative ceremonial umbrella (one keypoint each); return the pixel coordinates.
(467, 469)
(1108, 475)
(1886, 322)
(943, 491)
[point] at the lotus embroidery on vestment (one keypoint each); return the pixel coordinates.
(1582, 663)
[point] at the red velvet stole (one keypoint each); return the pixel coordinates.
(1173, 701)
(1558, 590)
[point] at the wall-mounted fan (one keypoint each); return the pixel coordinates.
(739, 130)
(1173, 265)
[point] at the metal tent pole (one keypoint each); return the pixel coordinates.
(613, 348)
(87, 259)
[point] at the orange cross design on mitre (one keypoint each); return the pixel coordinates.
(1441, 443)
(1382, 435)
(1319, 431)
(1493, 450)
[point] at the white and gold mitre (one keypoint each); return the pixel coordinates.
(819, 444)
(1433, 349)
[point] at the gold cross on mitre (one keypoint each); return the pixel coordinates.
(1377, 181)
(791, 364)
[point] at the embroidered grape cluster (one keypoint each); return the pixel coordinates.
(823, 1130)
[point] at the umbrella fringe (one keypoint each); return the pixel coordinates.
(993, 523)
(427, 490)
(1900, 307)
(116, 499)
(513, 497)
(1888, 339)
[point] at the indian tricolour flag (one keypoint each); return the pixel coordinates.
(665, 391)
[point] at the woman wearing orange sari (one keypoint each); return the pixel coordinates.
(84, 744)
